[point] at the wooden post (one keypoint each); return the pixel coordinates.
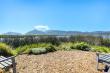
(14, 64)
(97, 61)
(108, 70)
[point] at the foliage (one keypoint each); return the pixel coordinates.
(51, 48)
(21, 50)
(27, 48)
(101, 49)
(105, 42)
(27, 40)
(47, 47)
(81, 46)
(16, 41)
(24, 43)
(87, 38)
(38, 51)
(65, 46)
(5, 50)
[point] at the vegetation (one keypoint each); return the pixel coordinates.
(51, 48)
(101, 49)
(27, 48)
(38, 51)
(43, 44)
(65, 46)
(81, 46)
(16, 41)
(6, 50)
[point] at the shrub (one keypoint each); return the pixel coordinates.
(81, 46)
(50, 48)
(65, 46)
(38, 51)
(5, 50)
(101, 49)
(23, 49)
(42, 50)
(27, 48)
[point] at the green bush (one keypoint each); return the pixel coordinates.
(51, 48)
(42, 50)
(5, 50)
(81, 46)
(38, 51)
(27, 48)
(65, 46)
(101, 49)
(21, 50)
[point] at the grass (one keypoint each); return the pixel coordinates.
(6, 50)
(65, 46)
(101, 49)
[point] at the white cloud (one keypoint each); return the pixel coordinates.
(42, 27)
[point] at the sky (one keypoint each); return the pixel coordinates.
(69, 15)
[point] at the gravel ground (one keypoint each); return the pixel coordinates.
(58, 62)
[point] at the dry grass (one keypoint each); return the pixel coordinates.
(58, 62)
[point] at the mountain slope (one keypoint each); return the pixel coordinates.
(59, 32)
(53, 32)
(12, 33)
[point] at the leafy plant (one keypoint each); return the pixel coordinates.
(38, 51)
(51, 48)
(81, 46)
(27, 48)
(5, 50)
(101, 49)
(65, 46)
(21, 50)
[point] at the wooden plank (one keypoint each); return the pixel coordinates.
(7, 61)
(3, 63)
(2, 66)
(6, 58)
(104, 56)
(107, 58)
(103, 53)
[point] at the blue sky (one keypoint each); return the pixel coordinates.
(77, 15)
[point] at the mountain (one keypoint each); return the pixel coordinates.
(105, 34)
(52, 32)
(59, 32)
(32, 32)
(12, 33)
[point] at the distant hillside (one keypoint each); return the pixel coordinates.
(12, 33)
(53, 32)
(32, 32)
(105, 34)
(58, 32)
